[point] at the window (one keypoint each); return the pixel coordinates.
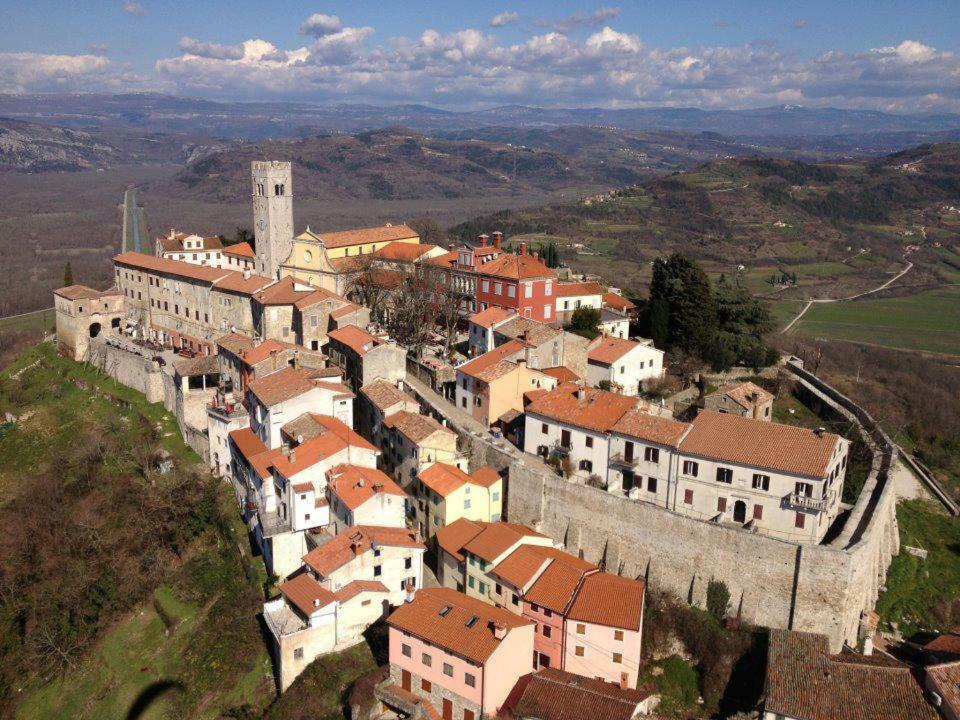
(466, 504)
(800, 520)
(482, 587)
(546, 310)
(725, 475)
(425, 685)
(548, 613)
(544, 429)
(581, 628)
(377, 570)
(407, 563)
(578, 651)
(761, 482)
(511, 290)
(548, 288)
(805, 489)
(527, 290)
(469, 680)
(514, 599)
(426, 660)
(617, 658)
(546, 631)
(586, 465)
(618, 635)
(448, 669)
(690, 468)
(534, 607)
(298, 653)
(651, 484)
(588, 441)
(688, 497)
(470, 581)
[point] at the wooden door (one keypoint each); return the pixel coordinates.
(405, 680)
(447, 710)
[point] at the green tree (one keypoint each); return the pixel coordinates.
(718, 599)
(684, 288)
(67, 275)
(585, 322)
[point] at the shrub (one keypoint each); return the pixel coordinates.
(718, 599)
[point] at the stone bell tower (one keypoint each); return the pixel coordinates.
(272, 214)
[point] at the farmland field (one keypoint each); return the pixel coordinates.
(928, 321)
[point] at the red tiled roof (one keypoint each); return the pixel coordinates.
(352, 589)
(358, 340)
(481, 364)
(81, 292)
(652, 428)
(347, 309)
(443, 479)
(415, 426)
(562, 374)
(175, 243)
(355, 485)
(234, 281)
(485, 476)
(491, 316)
(384, 394)
(556, 586)
(496, 538)
(761, 444)
(552, 694)
(235, 343)
(585, 407)
(607, 349)
(285, 291)
(516, 267)
(523, 564)
(355, 541)
(338, 437)
(403, 251)
(577, 289)
(251, 447)
(318, 295)
(609, 600)
(453, 631)
(170, 267)
(306, 594)
(445, 260)
(944, 645)
(617, 302)
(451, 538)
(805, 681)
(243, 249)
(743, 394)
(362, 236)
(281, 385)
(947, 679)
(264, 350)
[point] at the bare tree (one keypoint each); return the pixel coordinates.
(368, 283)
(449, 304)
(413, 311)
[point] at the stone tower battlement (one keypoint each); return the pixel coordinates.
(272, 186)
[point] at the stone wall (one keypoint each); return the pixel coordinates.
(131, 366)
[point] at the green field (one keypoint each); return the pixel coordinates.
(40, 321)
(928, 321)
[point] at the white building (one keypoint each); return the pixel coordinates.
(281, 396)
(481, 326)
(364, 496)
(190, 248)
(575, 295)
(623, 364)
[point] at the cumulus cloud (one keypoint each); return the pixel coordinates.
(133, 8)
(504, 18)
(199, 48)
(38, 72)
(319, 25)
(579, 20)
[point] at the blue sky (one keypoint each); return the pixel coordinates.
(879, 54)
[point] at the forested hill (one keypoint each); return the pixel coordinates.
(765, 209)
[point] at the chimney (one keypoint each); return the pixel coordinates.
(293, 455)
(580, 394)
(523, 248)
(355, 546)
(316, 602)
(378, 487)
(497, 239)
(451, 247)
(820, 431)
(868, 646)
(624, 681)
(411, 592)
(499, 631)
(482, 239)
(246, 273)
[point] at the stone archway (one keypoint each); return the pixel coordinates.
(94, 329)
(740, 511)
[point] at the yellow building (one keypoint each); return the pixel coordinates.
(444, 493)
(324, 259)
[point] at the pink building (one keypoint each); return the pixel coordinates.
(456, 654)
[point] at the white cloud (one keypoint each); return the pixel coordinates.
(38, 72)
(504, 18)
(189, 46)
(319, 25)
(133, 8)
(581, 19)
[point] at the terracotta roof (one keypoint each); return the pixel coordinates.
(404, 251)
(347, 309)
(607, 349)
(243, 249)
(611, 600)
(235, 343)
(522, 565)
(805, 681)
(175, 243)
(358, 340)
(761, 444)
(651, 428)
(320, 447)
(496, 538)
(318, 295)
(384, 394)
(200, 365)
(355, 485)
(552, 694)
(251, 447)
(947, 678)
(264, 350)
(415, 426)
(352, 589)
(285, 291)
(576, 289)
(585, 407)
(945, 645)
(443, 479)
(361, 236)
(743, 394)
(557, 586)
(617, 302)
(179, 268)
(479, 366)
(562, 374)
(451, 538)
(234, 281)
(281, 385)
(456, 630)
(528, 331)
(491, 316)
(485, 476)
(306, 594)
(355, 541)
(516, 267)
(445, 260)
(81, 292)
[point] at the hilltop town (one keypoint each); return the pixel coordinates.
(470, 451)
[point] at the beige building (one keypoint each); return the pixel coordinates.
(365, 358)
(83, 313)
(415, 441)
(376, 401)
(745, 399)
(444, 493)
(191, 248)
(364, 496)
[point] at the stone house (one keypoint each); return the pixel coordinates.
(745, 399)
(83, 313)
(623, 365)
(364, 496)
(550, 694)
(365, 358)
(375, 402)
(443, 493)
(415, 441)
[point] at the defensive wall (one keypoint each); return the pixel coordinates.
(773, 583)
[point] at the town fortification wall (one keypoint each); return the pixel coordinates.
(129, 367)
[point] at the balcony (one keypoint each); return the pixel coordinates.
(281, 620)
(619, 460)
(561, 449)
(808, 503)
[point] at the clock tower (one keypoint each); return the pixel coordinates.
(272, 214)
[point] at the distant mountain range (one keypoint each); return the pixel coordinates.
(163, 113)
